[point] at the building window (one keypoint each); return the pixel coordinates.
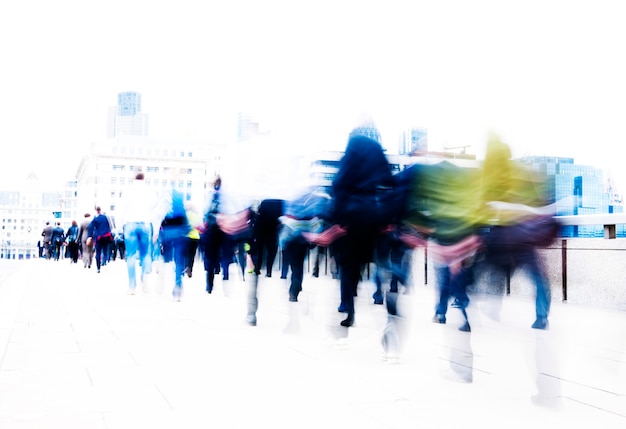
(135, 168)
(118, 167)
(188, 184)
(152, 169)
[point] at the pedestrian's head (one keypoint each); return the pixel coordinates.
(87, 214)
(139, 176)
(98, 209)
(74, 223)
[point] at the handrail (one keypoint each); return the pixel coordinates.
(608, 220)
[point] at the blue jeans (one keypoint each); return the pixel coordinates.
(520, 257)
(452, 286)
(137, 238)
(174, 245)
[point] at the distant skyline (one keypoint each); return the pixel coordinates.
(546, 75)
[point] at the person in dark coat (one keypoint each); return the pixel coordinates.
(72, 241)
(57, 239)
(100, 233)
(360, 188)
(212, 238)
(267, 233)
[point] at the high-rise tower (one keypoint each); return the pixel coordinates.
(413, 141)
(126, 118)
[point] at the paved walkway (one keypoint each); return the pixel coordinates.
(77, 352)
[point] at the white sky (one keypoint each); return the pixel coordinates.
(549, 76)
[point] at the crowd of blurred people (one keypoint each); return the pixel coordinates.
(492, 216)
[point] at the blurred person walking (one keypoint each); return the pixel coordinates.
(47, 240)
(193, 237)
(211, 238)
(86, 249)
(57, 239)
(267, 228)
(360, 212)
(445, 201)
(306, 214)
(99, 233)
(174, 231)
(516, 203)
(73, 241)
(140, 215)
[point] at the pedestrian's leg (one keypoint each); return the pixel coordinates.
(543, 294)
(253, 300)
(443, 276)
(297, 253)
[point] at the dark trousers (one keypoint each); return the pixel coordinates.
(73, 247)
(354, 249)
(211, 243)
(102, 251)
(452, 286)
(174, 249)
(267, 245)
(191, 247)
(295, 253)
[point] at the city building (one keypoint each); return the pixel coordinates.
(126, 118)
(23, 215)
(578, 190)
(191, 166)
(413, 141)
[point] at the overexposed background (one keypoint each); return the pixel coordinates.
(548, 75)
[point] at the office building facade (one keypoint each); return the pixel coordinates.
(413, 141)
(23, 216)
(187, 165)
(577, 190)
